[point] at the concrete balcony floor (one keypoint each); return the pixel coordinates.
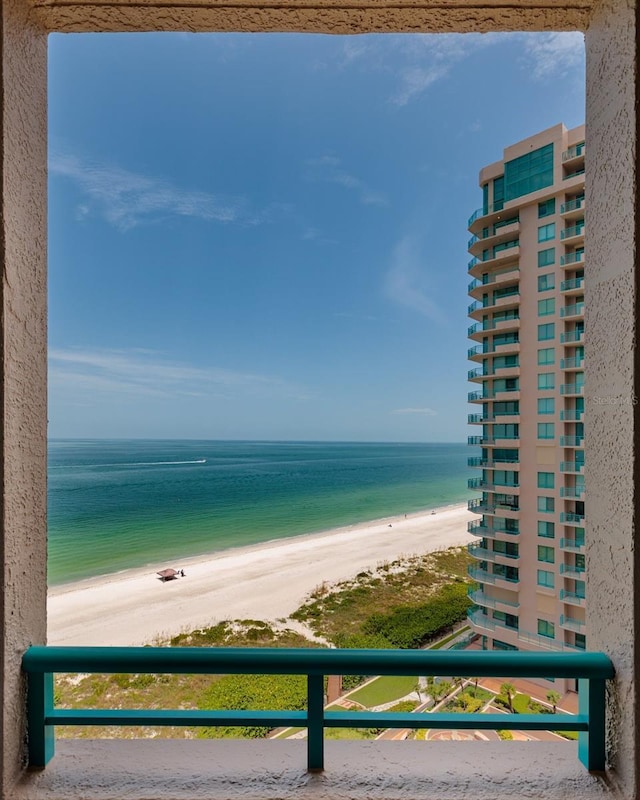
(275, 770)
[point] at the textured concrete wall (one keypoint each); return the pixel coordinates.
(611, 353)
(23, 343)
(612, 366)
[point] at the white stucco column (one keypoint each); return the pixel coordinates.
(23, 240)
(613, 368)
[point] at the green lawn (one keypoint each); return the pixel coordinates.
(384, 689)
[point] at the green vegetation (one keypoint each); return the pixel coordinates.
(384, 689)
(341, 611)
(470, 700)
(506, 736)
(519, 703)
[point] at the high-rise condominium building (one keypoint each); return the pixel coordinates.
(527, 334)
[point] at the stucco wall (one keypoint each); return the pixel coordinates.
(611, 351)
(23, 341)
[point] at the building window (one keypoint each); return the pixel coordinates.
(580, 641)
(547, 208)
(546, 380)
(547, 355)
(546, 505)
(546, 554)
(529, 173)
(546, 307)
(546, 578)
(546, 331)
(547, 232)
(546, 480)
(546, 629)
(546, 529)
(546, 430)
(498, 193)
(546, 405)
(547, 257)
(546, 282)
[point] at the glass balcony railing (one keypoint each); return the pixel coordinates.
(572, 491)
(571, 415)
(575, 362)
(569, 389)
(572, 545)
(569, 337)
(575, 310)
(571, 441)
(572, 466)
(572, 258)
(482, 554)
(475, 419)
(572, 598)
(569, 570)
(569, 518)
(482, 576)
(571, 284)
(474, 440)
(574, 230)
(572, 624)
(575, 151)
(572, 205)
(482, 599)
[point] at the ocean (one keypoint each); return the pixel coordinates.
(119, 504)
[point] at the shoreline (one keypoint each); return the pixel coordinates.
(261, 581)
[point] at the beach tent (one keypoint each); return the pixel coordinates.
(168, 574)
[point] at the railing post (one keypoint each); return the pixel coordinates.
(591, 743)
(315, 723)
(41, 740)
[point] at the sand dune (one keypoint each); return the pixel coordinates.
(267, 581)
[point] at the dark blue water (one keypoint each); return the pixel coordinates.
(119, 504)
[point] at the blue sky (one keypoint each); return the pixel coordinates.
(264, 236)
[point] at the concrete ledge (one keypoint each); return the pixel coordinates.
(275, 770)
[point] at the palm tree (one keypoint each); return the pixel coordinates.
(508, 689)
(553, 698)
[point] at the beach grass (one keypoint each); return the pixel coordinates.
(384, 689)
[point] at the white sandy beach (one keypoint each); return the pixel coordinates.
(267, 581)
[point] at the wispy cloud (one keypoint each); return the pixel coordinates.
(546, 54)
(407, 280)
(418, 62)
(329, 169)
(126, 199)
(142, 372)
(429, 412)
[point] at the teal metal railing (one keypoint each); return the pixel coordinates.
(41, 663)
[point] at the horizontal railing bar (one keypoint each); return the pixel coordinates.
(128, 716)
(332, 719)
(315, 661)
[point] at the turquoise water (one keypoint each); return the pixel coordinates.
(119, 504)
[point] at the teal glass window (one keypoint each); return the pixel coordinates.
(546, 628)
(547, 232)
(546, 380)
(546, 405)
(547, 257)
(547, 355)
(485, 199)
(546, 480)
(501, 362)
(546, 529)
(546, 282)
(546, 332)
(505, 246)
(529, 173)
(546, 554)
(546, 307)
(546, 430)
(580, 587)
(547, 207)
(580, 641)
(546, 578)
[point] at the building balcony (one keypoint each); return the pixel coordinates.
(572, 624)
(485, 240)
(482, 218)
(572, 286)
(572, 337)
(572, 545)
(572, 311)
(573, 234)
(478, 309)
(491, 280)
(575, 492)
(569, 518)
(572, 571)
(575, 154)
(484, 622)
(571, 415)
(474, 440)
(475, 419)
(575, 362)
(477, 397)
(482, 554)
(479, 483)
(576, 467)
(477, 527)
(572, 389)
(482, 576)
(572, 441)
(572, 599)
(572, 258)
(478, 330)
(573, 209)
(486, 601)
